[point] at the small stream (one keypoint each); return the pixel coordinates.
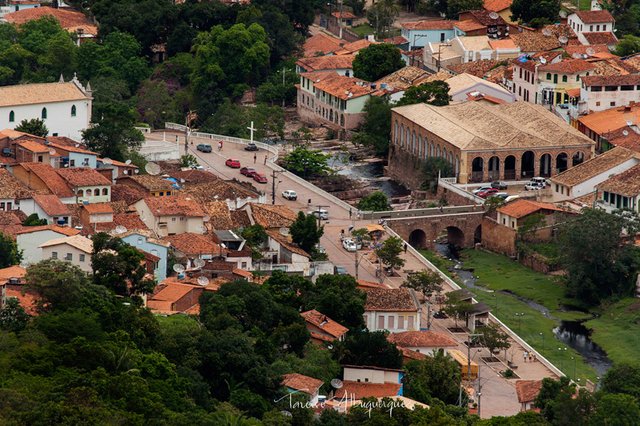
(570, 333)
(370, 171)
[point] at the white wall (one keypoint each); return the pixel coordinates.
(461, 96)
(394, 322)
(59, 120)
(600, 101)
(95, 198)
(371, 375)
(29, 244)
(63, 249)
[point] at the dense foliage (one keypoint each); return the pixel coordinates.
(536, 13)
(375, 131)
(377, 201)
(376, 61)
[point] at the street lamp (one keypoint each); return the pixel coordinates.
(574, 366)
(561, 357)
(519, 315)
(542, 335)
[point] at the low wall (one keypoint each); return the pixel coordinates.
(498, 238)
(432, 211)
(538, 263)
(454, 195)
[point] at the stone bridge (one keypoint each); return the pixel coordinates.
(461, 225)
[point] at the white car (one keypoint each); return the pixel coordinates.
(533, 186)
(350, 245)
(322, 214)
(290, 194)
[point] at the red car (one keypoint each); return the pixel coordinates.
(234, 164)
(486, 193)
(260, 178)
(248, 171)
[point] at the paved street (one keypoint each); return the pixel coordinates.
(498, 394)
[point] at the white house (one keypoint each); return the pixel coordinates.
(65, 107)
(463, 49)
(425, 342)
(582, 179)
(282, 254)
(31, 237)
(463, 86)
(593, 27)
(419, 33)
(72, 155)
(49, 207)
(341, 64)
(87, 184)
(17, 5)
(75, 249)
(621, 191)
(171, 215)
(394, 310)
(600, 92)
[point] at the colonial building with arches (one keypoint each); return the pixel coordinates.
(483, 142)
(64, 107)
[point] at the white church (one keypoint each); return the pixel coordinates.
(65, 107)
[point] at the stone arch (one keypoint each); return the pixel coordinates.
(562, 162)
(477, 169)
(477, 235)
(494, 168)
(527, 165)
(455, 236)
(545, 165)
(577, 158)
(418, 239)
(510, 167)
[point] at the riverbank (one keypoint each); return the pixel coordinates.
(504, 285)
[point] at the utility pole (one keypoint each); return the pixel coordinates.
(479, 393)
(340, 19)
(284, 70)
(471, 336)
(274, 175)
(318, 208)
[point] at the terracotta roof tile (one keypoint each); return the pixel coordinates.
(570, 66)
(27, 300)
(626, 183)
(240, 219)
(469, 25)
(78, 241)
(98, 208)
(344, 15)
(325, 323)
(127, 193)
(533, 41)
(51, 205)
(497, 5)
(594, 16)
(83, 176)
(219, 190)
(425, 339)
(363, 285)
(343, 87)
(301, 383)
(320, 63)
(411, 354)
(148, 182)
(10, 187)
(272, 216)
(522, 207)
(360, 390)
(69, 19)
(11, 222)
(484, 17)
(611, 80)
(594, 166)
(476, 68)
(219, 215)
(131, 221)
(39, 93)
(625, 137)
(33, 146)
(286, 243)
(50, 177)
(582, 49)
(193, 244)
(439, 24)
(528, 390)
(612, 119)
(397, 40)
(14, 271)
(354, 47)
(169, 292)
(396, 299)
(404, 78)
(320, 44)
(64, 230)
(174, 206)
(600, 38)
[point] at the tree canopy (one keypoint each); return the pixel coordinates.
(306, 232)
(434, 93)
(9, 252)
(376, 61)
(375, 130)
(535, 12)
(33, 126)
(306, 163)
(377, 201)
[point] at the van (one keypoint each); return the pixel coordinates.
(321, 213)
(540, 181)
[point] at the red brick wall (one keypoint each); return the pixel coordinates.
(498, 238)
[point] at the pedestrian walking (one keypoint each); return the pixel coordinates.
(220, 146)
(525, 355)
(265, 160)
(350, 213)
(405, 247)
(255, 158)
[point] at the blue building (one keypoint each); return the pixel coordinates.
(152, 246)
(420, 33)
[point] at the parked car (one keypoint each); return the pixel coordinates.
(511, 198)
(260, 178)
(203, 147)
(500, 195)
(498, 184)
(487, 193)
(251, 147)
(339, 270)
(539, 180)
(533, 186)
(440, 315)
(290, 194)
(322, 214)
(248, 171)
(482, 188)
(350, 244)
(234, 164)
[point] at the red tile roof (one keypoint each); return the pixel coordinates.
(174, 206)
(272, 216)
(497, 5)
(354, 47)
(12, 272)
(411, 354)
(98, 208)
(127, 193)
(193, 244)
(521, 208)
(69, 19)
(321, 63)
(301, 383)
(425, 339)
(439, 24)
(594, 16)
(394, 299)
(582, 49)
(64, 230)
(363, 285)
(167, 293)
(600, 38)
(344, 15)
(322, 44)
(324, 323)
(469, 25)
(611, 80)
(50, 177)
(83, 176)
(286, 242)
(626, 183)
(528, 390)
(344, 87)
(28, 301)
(10, 187)
(33, 146)
(51, 205)
(569, 66)
(360, 390)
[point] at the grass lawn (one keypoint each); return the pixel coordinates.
(498, 272)
(362, 30)
(440, 263)
(616, 330)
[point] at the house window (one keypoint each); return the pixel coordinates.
(366, 319)
(380, 322)
(173, 219)
(80, 193)
(590, 28)
(69, 257)
(513, 224)
(604, 27)
(606, 196)
(105, 191)
(626, 88)
(596, 88)
(564, 78)
(610, 88)
(140, 241)
(392, 321)
(54, 254)
(504, 221)
(12, 117)
(243, 265)
(73, 110)
(96, 192)
(400, 322)
(598, 103)
(410, 322)
(43, 114)
(597, 27)
(548, 76)
(557, 186)
(40, 159)
(82, 258)
(72, 163)
(612, 103)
